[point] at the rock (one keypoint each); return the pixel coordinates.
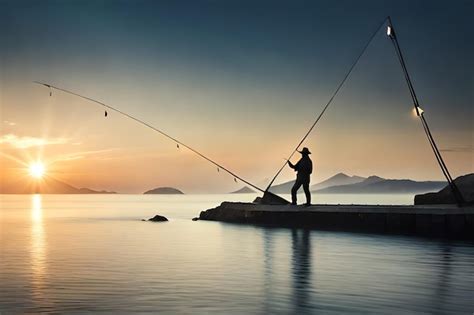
(464, 183)
(158, 218)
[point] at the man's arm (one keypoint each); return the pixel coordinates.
(294, 166)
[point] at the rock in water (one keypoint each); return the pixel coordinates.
(158, 218)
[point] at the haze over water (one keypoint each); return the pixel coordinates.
(70, 253)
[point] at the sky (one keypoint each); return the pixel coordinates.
(240, 81)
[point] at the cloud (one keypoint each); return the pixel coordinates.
(83, 154)
(458, 149)
(9, 123)
(28, 142)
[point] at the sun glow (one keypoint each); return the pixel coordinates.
(37, 169)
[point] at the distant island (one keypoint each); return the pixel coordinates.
(48, 185)
(164, 191)
(244, 190)
(344, 184)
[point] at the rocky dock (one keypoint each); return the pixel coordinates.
(429, 220)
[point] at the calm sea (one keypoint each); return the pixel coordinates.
(91, 253)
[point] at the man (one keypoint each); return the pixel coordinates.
(304, 167)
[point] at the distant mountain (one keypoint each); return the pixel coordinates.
(244, 190)
(378, 185)
(372, 180)
(90, 191)
(283, 188)
(164, 191)
(338, 179)
(47, 185)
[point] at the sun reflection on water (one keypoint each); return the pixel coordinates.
(36, 211)
(38, 249)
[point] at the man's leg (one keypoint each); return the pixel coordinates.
(294, 189)
(307, 193)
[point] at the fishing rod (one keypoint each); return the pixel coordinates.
(178, 142)
(420, 113)
(327, 104)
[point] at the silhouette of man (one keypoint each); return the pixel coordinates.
(304, 168)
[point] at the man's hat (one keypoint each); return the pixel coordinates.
(304, 151)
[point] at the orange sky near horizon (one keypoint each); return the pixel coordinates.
(83, 148)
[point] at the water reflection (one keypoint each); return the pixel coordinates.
(443, 285)
(301, 270)
(268, 271)
(38, 249)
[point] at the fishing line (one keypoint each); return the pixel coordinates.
(455, 190)
(329, 102)
(178, 142)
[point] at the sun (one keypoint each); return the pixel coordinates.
(37, 169)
